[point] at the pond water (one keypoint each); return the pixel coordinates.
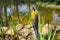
(22, 8)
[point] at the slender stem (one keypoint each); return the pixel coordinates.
(54, 35)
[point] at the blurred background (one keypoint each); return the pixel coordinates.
(14, 12)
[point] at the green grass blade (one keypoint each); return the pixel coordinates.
(54, 35)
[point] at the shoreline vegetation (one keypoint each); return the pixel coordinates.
(50, 6)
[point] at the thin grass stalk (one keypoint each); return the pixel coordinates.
(2, 33)
(54, 35)
(38, 23)
(40, 27)
(49, 36)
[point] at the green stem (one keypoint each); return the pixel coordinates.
(54, 35)
(6, 17)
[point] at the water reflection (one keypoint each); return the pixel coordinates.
(22, 8)
(56, 19)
